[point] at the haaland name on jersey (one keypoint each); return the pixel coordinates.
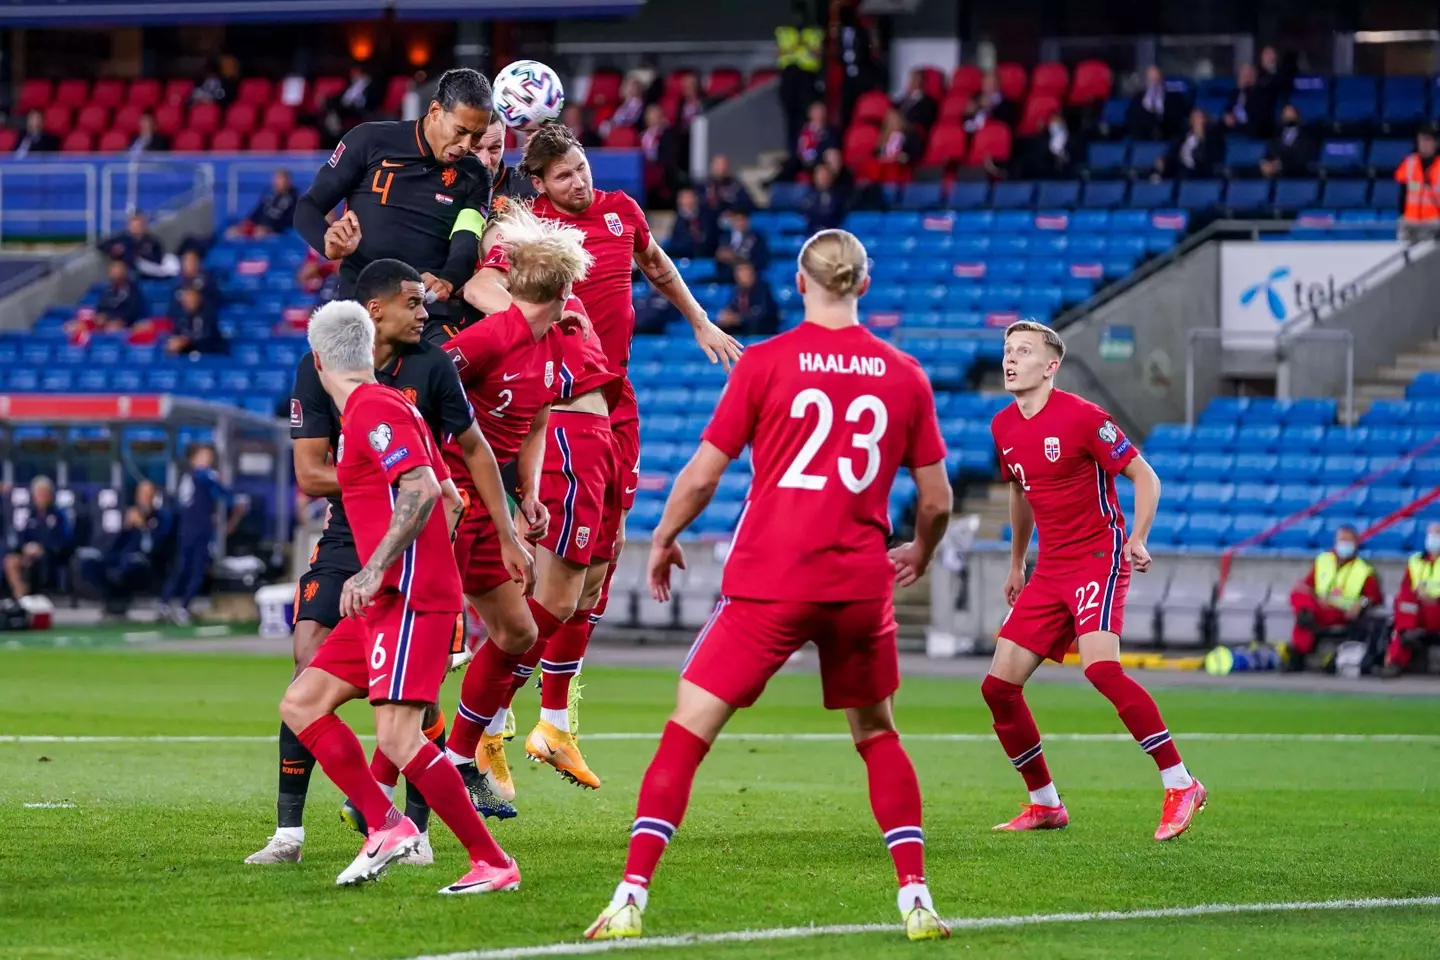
(832, 363)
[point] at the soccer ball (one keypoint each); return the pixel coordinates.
(526, 94)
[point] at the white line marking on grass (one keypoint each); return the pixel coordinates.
(822, 737)
(49, 806)
(963, 923)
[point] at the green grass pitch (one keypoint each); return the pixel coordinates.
(147, 863)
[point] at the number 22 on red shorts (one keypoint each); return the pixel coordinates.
(1056, 607)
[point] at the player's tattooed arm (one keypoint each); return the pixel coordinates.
(660, 270)
(416, 493)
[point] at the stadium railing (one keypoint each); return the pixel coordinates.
(90, 200)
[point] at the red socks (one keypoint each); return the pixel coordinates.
(1137, 711)
(664, 795)
(604, 600)
(1016, 729)
(342, 758)
(895, 800)
(384, 769)
(564, 655)
(486, 682)
(439, 782)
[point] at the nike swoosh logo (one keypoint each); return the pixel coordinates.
(1006, 451)
(387, 163)
(1085, 619)
(630, 490)
(371, 853)
(379, 680)
(507, 377)
(291, 762)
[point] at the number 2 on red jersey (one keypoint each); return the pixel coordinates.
(795, 475)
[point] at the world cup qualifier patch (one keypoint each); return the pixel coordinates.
(1108, 432)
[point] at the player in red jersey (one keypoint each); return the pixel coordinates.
(511, 366)
(580, 489)
(831, 413)
(393, 645)
(1060, 454)
(618, 236)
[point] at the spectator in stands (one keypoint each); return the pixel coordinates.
(1419, 173)
(1330, 602)
(274, 213)
(130, 557)
(573, 116)
(41, 546)
(1417, 607)
(120, 307)
(990, 103)
(193, 275)
(1197, 154)
(1248, 112)
(825, 205)
(631, 110)
(899, 146)
(752, 311)
(695, 233)
(723, 192)
(1293, 152)
(1274, 81)
(799, 56)
(147, 138)
(1154, 112)
(815, 137)
(917, 106)
(196, 328)
(740, 243)
(664, 154)
(220, 84)
(692, 101)
(36, 138)
(141, 250)
(360, 98)
(653, 313)
(1051, 154)
(200, 495)
(318, 276)
(858, 59)
(844, 179)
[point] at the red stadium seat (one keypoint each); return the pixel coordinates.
(604, 88)
(871, 107)
(1093, 82)
(946, 147)
(761, 77)
(178, 90)
(724, 82)
(965, 80)
(991, 142)
(204, 117)
(394, 100)
(127, 118)
(169, 118)
(113, 141)
(1050, 79)
(241, 116)
(188, 141)
(279, 117)
(623, 137)
(323, 89)
(675, 81)
(93, 117)
(952, 110)
(227, 140)
(932, 82)
(73, 92)
(860, 141)
(78, 141)
(108, 93)
(253, 90)
(1012, 79)
(266, 140)
(57, 119)
(1037, 113)
(670, 103)
(34, 95)
(303, 138)
(144, 92)
(8, 139)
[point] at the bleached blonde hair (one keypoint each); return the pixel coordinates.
(546, 256)
(343, 337)
(836, 259)
(1051, 338)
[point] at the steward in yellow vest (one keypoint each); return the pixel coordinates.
(1417, 605)
(1339, 588)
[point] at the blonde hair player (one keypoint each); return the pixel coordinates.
(1061, 454)
(831, 413)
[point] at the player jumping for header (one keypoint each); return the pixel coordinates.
(1060, 454)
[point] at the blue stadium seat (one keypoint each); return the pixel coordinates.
(1394, 471)
(1255, 497)
(1425, 472)
(1308, 410)
(1246, 196)
(1342, 157)
(968, 196)
(1399, 111)
(1396, 538)
(1386, 500)
(1143, 155)
(1176, 466)
(1386, 155)
(1198, 195)
(1296, 194)
(1342, 469)
(1213, 438)
(1299, 468)
(1168, 438)
(1243, 154)
(1358, 87)
(1245, 526)
(1113, 114)
(1294, 497)
(1301, 535)
(1224, 410)
(1176, 496)
(1146, 195)
(1345, 502)
(1313, 107)
(1168, 528)
(1261, 410)
(1013, 194)
(1352, 112)
(1058, 193)
(1257, 438)
(1206, 530)
(1215, 467)
(1256, 467)
(1345, 194)
(1302, 439)
(1343, 441)
(923, 196)
(1211, 497)
(1385, 195)
(1390, 440)
(1107, 159)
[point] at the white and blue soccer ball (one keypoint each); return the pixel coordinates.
(526, 94)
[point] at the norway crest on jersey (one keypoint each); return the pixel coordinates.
(549, 373)
(582, 537)
(1052, 449)
(612, 221)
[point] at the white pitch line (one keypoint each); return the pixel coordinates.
(963, 923)
(820, 737)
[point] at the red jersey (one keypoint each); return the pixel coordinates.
(583, 367)
(830, 415)
(383, 437)
(508, 376)
(1065, 459)
(614, 227)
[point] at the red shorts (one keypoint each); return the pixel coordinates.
(1059, 604)
(746, 641)
(580, 487)
(477, 551)
(392, 652)
(625, 425)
